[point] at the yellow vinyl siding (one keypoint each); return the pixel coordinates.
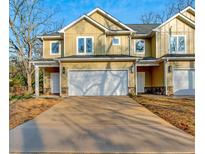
(153, 45)
(178, 28)
(47, 49)
(100, 18)
(84, 28)
(189, 15)
(122, 49)
(148, 50)
(158, 75)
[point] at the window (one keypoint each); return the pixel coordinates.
(140, 46)
(177, 44)
(84, 45)
(55, 47)
(116, 41)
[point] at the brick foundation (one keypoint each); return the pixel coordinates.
(131, 90)
(64, 91)
(170, 90)
(47, 90)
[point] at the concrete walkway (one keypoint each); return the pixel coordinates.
(99, 124)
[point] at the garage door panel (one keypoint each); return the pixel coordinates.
(184, 82)
(98, 83)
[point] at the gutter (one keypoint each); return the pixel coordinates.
(99, 59)
(178, 58)
(42, 37)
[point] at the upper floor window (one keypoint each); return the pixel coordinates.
(177, 44)
(116, 41)
(84, 45)
(55, 48)
(139, 46)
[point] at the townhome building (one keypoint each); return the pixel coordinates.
(98, 55)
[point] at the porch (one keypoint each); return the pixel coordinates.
(50, 74)
(150, 78)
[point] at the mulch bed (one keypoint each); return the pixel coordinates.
(180, 112)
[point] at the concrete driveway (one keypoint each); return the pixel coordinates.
(99, 124)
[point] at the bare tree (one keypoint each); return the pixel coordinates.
(169, 10)
(27, 20)
(149, 17)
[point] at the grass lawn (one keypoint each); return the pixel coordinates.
(23, 110)
(180, 112)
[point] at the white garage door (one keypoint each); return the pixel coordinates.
(97, 82)
(184, 81)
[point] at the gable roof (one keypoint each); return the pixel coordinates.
(110, 17)
(189, 9)
(143, 28)
(81, 18)
(180, 16)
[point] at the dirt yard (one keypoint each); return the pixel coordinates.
(21, 111)
(178, 111)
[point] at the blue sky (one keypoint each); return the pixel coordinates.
(127, 11)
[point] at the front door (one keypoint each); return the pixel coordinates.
(55, 89)
(140, 82)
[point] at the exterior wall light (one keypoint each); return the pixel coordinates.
(169, 69)
(132, 69)
(63, 70)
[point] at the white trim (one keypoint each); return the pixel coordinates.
(117, 32)
(43, 49)
(84, 53)
(147, 65)
(136, 92)
(60, 73)
(178, 14)
(100, 59)
(157, 44)
(35, 62)
(36, 81)
(127, 70)
(43, 66)
(82, 17)
(59, 50)
(119, 41)
(188, 8)
(64, 45)
(183, 68)
(56, 36)
(185, 43)
(109, 16)
(179, 58)
(137, 52)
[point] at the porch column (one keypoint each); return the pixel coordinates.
(165, 77)
(136, 78)
(36, 81)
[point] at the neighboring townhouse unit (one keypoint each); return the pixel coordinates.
(98, 55)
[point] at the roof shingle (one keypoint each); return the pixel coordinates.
(143, 28)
